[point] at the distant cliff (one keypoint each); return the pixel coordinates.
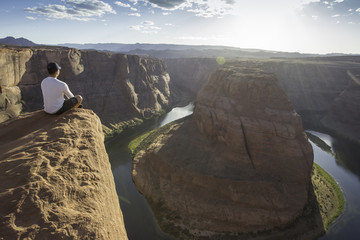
(240, 165)
(188, 75)
(314, 86)
(322, 91)
(117, 87)
(56, 179)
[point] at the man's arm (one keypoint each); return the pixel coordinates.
(67, 91)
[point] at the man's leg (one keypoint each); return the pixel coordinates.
(79, 101)
(70, 103)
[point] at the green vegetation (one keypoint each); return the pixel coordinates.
(329, 195)
(136, 142)
(320, 143)
(117, 128)
(144, 140)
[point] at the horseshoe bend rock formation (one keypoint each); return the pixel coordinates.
(117, 87)
(241, 164)
(56, 180)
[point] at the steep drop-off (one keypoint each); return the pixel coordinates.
(188, 75)
(241, 164)
(117, 87)
(56, 180)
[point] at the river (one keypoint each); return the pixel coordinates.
(343, 164)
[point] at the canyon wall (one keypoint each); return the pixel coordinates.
(56, 179)
(240, 165)
(188, 75)
(324, 91)
(117, 87)
(314, 86)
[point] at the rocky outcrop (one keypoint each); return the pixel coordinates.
(56, 179)
(242, 164)
(344, 115)
(117, 87)
(12, 67)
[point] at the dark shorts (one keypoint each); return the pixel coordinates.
(68, 104)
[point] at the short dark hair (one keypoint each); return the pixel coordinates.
(53, 67)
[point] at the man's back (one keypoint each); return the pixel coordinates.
(53, 93)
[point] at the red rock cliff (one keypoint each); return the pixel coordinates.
(56, 180)
(117, 87)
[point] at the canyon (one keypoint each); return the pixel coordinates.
(236, 117)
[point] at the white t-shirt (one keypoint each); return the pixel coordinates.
(53, 91)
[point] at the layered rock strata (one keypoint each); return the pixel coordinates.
(56, 180)
(242, 164)
(117, 87)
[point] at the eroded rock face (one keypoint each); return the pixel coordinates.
(344, 115)
(56, 179)
(242, 164)
(117, 87)
(188, 76)
(12, 68)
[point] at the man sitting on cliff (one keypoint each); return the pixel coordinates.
(53, 91)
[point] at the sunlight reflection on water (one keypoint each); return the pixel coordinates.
(176, 113)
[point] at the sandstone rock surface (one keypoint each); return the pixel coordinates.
(56, 180)
(242, 164)
(117, 87)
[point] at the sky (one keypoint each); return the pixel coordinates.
(305, 26)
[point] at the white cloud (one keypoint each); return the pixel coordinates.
(305, 2)
(82, 10)
(121, 4)
(134, 14)
(147, 27)
(168, 4)
(149, 23)
(169, 24)
(357, 10)
(133, 1)
(31, 18)
(339, 1)
(335, 15)
(201, 8)
(166, 13)
(133, 9)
